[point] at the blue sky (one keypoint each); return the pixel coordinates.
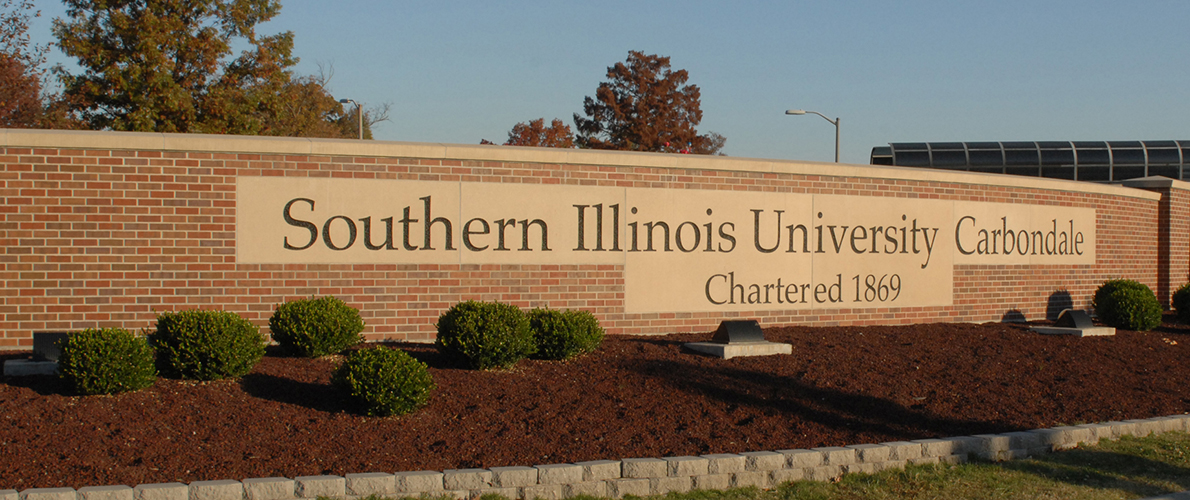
(461, 71)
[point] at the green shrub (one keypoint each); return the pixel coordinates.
(316, 327)
(106, 361)
(485, 334)
(206, 345)
(564, 334)
(1127, 304)
(1181, 303)
(384, 381)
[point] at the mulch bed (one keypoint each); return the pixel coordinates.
(634, 397)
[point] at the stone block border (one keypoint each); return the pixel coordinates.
(632, 476)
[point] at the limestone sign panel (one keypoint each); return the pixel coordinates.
(682, 250)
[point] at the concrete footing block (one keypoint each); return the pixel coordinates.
(117, 492)
(600, 470)
(319, 486)
(217, 490)
(466, 479)
(619, 488)
(892, 464)
(504, 492)
(269, 488)
(49, 494)
(758, 478)
(424, 481)
(164, 491)
(923, 461)
(712, 482)
(800, 459)
(643, 467)
(824, 472)
(953, 459)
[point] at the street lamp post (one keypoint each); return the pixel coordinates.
(359, 111)
(834, 122)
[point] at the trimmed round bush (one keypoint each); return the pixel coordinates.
(485, 334)
(206, 345)
(564, 334)
(314, 328)
(106, 361)
(384, 382)
(1181, 303)
(1127, 304)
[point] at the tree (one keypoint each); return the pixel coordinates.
(20, 67)
(645, 107)
(535, 133)
(158, 65)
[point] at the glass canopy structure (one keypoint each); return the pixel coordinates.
(1097, 161)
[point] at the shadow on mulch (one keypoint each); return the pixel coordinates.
(319, 397)
(827, 407)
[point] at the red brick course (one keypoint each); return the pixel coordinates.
(98, 238)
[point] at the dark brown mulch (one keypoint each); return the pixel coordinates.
(634, 397)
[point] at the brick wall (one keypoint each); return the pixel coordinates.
(103, 229)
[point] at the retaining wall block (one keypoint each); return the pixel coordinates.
(953, 459)
(589, 488)
(513, 477)
(870, 453)
(504, 492)
(1099, 431)
(786, 475)
(757, 478)
(724, 463)
(1121, 429)
(164, 491)
(663, 485)
(600, 470)
(903, 450)
(1059, 438)
(49, 494)
(545, 492)
(10, 495)
(643, 467)
(763, 460)
(559, 474)
(370, 483)
(923, 461)
(225, 489)
(1142, 427)
(1172, 423)
(466, 479)
(116, 492)
(860, 468)
(319, 486)
(686, 466)
(1025, 440)
(619, 488)
(892, 464)
(450, 494)
(1183, 422)
(712, 481)
(836, 455)
(939, 447)
(823, 472)
(269, 488)
(422, 481)
(798, 459)
(991, 445)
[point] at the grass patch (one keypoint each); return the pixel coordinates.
(1123, 469)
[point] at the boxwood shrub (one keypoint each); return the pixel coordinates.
(106, 361)
(316, 327)
(564, 334)
(1181, 303)
(1127, 304)
(384, 382)
(485, 335)
(206, 345)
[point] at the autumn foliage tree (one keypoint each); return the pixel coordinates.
(165, 66)
(535, 133)
(644, 106)
(20, 68)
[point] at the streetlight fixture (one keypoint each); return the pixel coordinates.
(834, 122)
(359, 111)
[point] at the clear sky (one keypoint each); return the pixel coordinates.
(954, 70)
